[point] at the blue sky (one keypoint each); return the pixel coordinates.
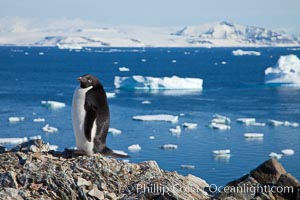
(274, 14)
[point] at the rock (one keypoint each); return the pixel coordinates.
(8, 179)
(269, 172)
(2, 149)
(290, 185)
(82, 181)
(10, 194)
(32, 146)
(96, 193)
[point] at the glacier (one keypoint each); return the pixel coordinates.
(285, 72)
(137, 82)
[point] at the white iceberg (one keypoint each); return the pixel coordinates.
(134, 148)
(189, 125)
(285, 72)
(124, 69)
(13, 140)
(110, 94)
(151, 137)
(282, 123)
(39, 120)
(221, 119)
(288, 152)
(169, 146)
(240, 52)
(176, 130)
(53, 147)
(187, 166)
(253, 135)
(16, 119)
(120, 152)
(114, 131)
(153, 83)
(257, 124)
(275, 155)
(49, 129)
(146, 102)
(219, 126)
(246, 121)
(53, 104)
(221, 152)
(159, 117)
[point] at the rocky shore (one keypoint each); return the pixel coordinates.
(32, 171)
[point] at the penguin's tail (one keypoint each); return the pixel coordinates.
(108, 152)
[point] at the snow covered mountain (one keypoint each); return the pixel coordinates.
(75, 34)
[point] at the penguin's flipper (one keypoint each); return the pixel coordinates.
(89, 121)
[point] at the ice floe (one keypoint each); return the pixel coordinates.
(159, 117)
(151, 137)
(114, 131)
(221, 152)
(154, 83)
(49, 129)
(288, 152)
(124, 69)
(169, 146)
(134, 148)
(285, 72)
(272, 122)
(187, 166)
(220, 122)
(53, 104)
(53, 147)
(240, 52)
(189, 125)
(18, 140)
(120, 152)
(246, 121)
(39, 120)
(16, 119)
(253, 135)
(275, 155)
(176, 130)
(219, 126)
(146, 102)
(110, 94)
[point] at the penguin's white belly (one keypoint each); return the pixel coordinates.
(78, 115)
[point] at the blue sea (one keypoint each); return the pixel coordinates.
(233, 86)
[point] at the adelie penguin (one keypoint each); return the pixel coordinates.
(90, 117)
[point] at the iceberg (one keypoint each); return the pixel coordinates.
(246, 121)
(134, 148)
(176, 130)
(120, 152)
(151, 137)
(285, 72)
(13, 140)
(137, 82)
(110, 94)
(219, 126)
(253, 135)
(124, 69)
(49, 129)
(159, 117)
(221, 152)
(240, 52)
(288, 152)
(187, 166)
(39, 120)
(16, 119)
(114, 131)
(282, 123)
(275, 155)
(53, 104)
(146, 102)
(189, 125)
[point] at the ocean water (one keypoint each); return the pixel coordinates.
(233, 86)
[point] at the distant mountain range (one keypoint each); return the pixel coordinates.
(78, 34)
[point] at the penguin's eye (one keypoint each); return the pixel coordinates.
(90, 80)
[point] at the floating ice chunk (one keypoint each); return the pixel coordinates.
(110, 94)
(223, 62)
(253, 135)
(146, 102)
(151, 137)
(292, 124)
(53, 104)
(35, 137)
(49, 129)
(286, 71)
(257, 124)
(246, 121)
(134, 148)
(114, 131)
(220, 126)
(124, 69)
(240, 52)
(190, 125)
(174, 61)
(69, 45)
(288, 152)
(159, 117)
(169, 146)
(221, 119)
(120, 152)
(181, 114)
(176, 130)
(221, 152)
(272, 122)
(187, 166)
(143, 60)
(39, 120)
(275, 155)
(153, 83)
(16, 119)
(53, 147)
(13, 140)
(41, 53)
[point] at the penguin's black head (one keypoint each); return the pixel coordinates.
(88, 80)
